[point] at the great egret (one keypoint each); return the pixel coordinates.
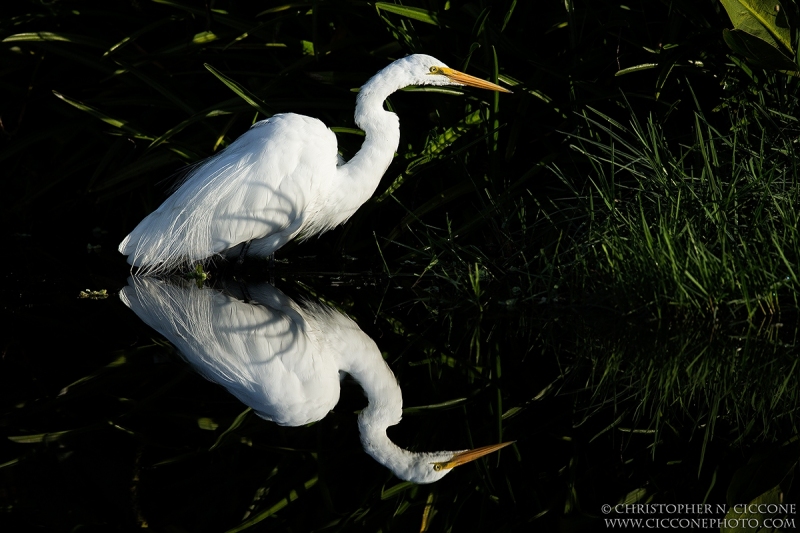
(285, 361)
(282, 178)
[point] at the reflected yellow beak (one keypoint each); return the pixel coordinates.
(472, 81)
(470, 455)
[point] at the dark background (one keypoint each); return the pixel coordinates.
(125, 447)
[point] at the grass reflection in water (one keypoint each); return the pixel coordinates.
(603, 410)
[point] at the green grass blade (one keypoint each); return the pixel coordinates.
(117, 123)
(243, 93)
(266, 513)
(414, 13)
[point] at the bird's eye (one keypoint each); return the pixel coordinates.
(434, 70)
(437, 466)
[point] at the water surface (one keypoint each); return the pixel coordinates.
(107, 425)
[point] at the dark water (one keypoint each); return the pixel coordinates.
(107, 428)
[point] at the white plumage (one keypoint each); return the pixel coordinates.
(285, 361)
(280, 179)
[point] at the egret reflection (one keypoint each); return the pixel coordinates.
(285, 361)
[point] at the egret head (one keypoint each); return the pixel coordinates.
(418, 69)
(437, 73)
(430, 467)
(423, 69)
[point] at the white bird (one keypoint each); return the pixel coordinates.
(280, 179)
(285, 361)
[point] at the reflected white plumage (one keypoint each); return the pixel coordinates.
(282, 178)
(284, 360)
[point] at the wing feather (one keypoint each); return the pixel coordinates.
(262, 187)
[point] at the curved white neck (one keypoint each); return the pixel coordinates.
(360, 176)
(364, 362)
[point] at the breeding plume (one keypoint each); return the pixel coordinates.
(285, 361)
(280, 179)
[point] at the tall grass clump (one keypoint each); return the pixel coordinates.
(691, 236)
(704, 223)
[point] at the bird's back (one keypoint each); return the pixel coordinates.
(264, 187)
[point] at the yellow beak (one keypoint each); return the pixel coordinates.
(472, 81)
(470, 455)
